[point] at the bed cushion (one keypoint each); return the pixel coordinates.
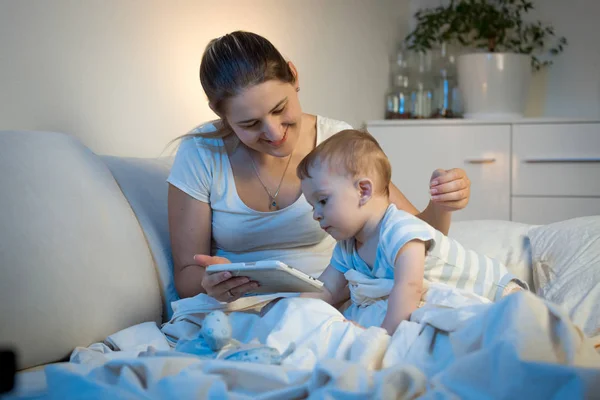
(566, 268)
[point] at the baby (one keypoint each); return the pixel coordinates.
(346, 179)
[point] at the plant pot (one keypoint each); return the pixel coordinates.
(494, 85)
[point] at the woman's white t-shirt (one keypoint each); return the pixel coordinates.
(202, 170)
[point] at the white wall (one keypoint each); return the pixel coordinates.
(122, 75)
(570, 87)
(573, 82)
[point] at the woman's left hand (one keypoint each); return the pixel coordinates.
(450, 189)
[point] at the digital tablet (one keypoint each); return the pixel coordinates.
(272, 276)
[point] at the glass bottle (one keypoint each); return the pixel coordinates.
(422, 84)
(398, 96)
(446, 95)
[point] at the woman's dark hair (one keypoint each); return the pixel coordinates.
(232, 63)
(237, 61)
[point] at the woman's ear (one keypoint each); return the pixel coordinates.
(295, 73)
(365, 190)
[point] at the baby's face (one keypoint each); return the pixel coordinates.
(335, 201)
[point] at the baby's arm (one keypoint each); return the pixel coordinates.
(334, 287)
(408, 284)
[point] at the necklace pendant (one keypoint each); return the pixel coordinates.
(273, 205)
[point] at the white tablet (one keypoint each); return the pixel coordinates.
(272, 276)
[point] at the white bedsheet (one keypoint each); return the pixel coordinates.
(518, 347)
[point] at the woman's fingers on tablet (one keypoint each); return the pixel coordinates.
(242, 289)
(234, 284)
(218, 278)
(232, 289)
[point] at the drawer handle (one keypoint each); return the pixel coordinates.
(547, 160)
(480, 160)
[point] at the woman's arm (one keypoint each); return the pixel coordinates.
(408, 285)
(190, 228)
(450, 191)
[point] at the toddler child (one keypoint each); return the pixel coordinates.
(346, 179)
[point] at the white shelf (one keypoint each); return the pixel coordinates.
(463, 121)
(530, 170)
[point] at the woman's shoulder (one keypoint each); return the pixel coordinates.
(327, 127)
(196, 149)
(197, 161)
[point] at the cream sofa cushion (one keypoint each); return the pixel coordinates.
(143, 181)
(74, 263)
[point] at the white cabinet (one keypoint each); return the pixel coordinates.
(531, 171)
(556, 160)
(415, 151)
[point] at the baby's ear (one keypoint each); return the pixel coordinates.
(365, 188)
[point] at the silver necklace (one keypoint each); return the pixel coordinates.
(272, 197)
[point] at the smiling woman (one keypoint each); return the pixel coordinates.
(234, 195)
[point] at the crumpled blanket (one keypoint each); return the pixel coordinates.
(453, 347)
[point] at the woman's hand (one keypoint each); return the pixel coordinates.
(221, 285)
(450, 189)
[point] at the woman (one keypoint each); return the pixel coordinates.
(234, 195)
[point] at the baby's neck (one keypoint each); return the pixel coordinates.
(370, 230)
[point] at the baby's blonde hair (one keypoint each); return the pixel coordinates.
(353, 153)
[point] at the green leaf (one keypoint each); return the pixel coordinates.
(493, 24)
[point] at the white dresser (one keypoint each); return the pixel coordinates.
(534, 171)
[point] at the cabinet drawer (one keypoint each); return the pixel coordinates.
(545, 210)
(556, 159)
(481, 150)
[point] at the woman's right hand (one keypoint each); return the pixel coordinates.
(222, 286)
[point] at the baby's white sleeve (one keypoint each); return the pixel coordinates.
(192, 169)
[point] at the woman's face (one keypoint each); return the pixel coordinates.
(266, 117)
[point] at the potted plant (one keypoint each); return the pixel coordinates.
(502, 50)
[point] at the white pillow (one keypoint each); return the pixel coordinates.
(505, 241)
(566, 268)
